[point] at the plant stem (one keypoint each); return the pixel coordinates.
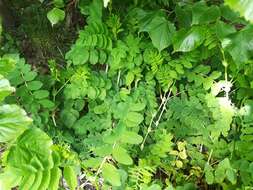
(163, 106)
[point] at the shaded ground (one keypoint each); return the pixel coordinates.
(32, 33)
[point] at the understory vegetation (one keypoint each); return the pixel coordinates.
(126, 95)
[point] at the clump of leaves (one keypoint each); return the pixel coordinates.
(153, 95)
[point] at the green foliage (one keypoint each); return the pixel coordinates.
(151, 95)
(70, 176)
(29, 161)
(94, 43)
(244, 7)
(158, 27)
(111, 174)
(11, 128)
(186, 41)
(55, 15)
(31, 91)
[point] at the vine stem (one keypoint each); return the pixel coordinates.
(103, 162)
(57, 92)
(209, 157)
(26, 85)
(119, 73)
(150, 124)
(101, 166)
(226, 72)
(163, 107)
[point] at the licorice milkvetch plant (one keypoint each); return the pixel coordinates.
(147, 95)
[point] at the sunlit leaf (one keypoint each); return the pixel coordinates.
(55, 15)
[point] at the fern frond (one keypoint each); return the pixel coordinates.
(162, 145)
(140, 175)
(94, 42)
(153, 58)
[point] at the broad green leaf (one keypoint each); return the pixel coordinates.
(228, 14)
(183, 16)
(131, 138)
(240, 45)
(244, 7)
(223, 30)
(95, 10)
(159, 28)
(188, 40)
(202, 14)
(55, 15)
(120, 155)
(70, 177)
(5, 88)
(111, 174)
(145, 18)
(10, 178)
(13, 122)
(160, 31)
(32, 143)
